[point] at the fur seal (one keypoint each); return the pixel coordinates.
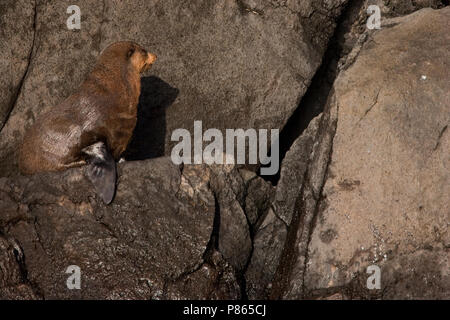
(94, 125)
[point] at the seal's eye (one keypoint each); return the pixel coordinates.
(130, 52)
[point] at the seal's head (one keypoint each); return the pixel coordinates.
(139, 59)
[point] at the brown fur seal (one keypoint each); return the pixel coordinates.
(94, 125)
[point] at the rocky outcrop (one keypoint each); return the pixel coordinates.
(383, 136)
(153, 233)
(196, 213)
(271, 234)
(383, 201)
(172, 233)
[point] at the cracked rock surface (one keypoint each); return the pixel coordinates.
(271, 234)
(153, 234)
(364, 182)
(383, 200)
(171, 233)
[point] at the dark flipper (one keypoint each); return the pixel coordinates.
(101, 170)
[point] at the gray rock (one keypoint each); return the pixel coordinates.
(293, 171)
(17, 35)
(271, 233)
(258, 200)
(288, 283)
(234, 241)
(383, 200)
(268, 245)
(404, 7)
(150, 235)
(158, 239)
(215, 280)
(424, 274)
(362, 185)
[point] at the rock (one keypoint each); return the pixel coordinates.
(271, 234)
(213, 280)
(311, 247)
(150, 235)
(235, 64)
(402, 7)
(288, 281)
(424, 274)
(169, 233)
(258, 199)
(17, 33)
(13, 278)
(234, 240)
(268, 245)
(293, 171)
(383, 200)
(356, 15)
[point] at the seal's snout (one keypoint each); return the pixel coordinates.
(151, 58)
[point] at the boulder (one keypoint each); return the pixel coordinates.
(271, 233)
(383, 201)
(154, 232)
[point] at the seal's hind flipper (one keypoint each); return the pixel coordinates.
(101, 170)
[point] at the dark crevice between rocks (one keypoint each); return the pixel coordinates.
(315, 98)
(38, 236)
(240, 277)
(213, 244)
(15, 99)
(289, 254)
(108, 228)
(19, 256)
(441, 133)
(312, 104)
(241, 274)
(304, 221)
(245, 9)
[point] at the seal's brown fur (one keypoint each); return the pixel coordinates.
(104, 108)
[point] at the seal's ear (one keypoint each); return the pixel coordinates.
(130, 52)
(101, 170)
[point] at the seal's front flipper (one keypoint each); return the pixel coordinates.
(101, 170)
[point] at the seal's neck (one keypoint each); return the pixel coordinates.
(116, 77)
